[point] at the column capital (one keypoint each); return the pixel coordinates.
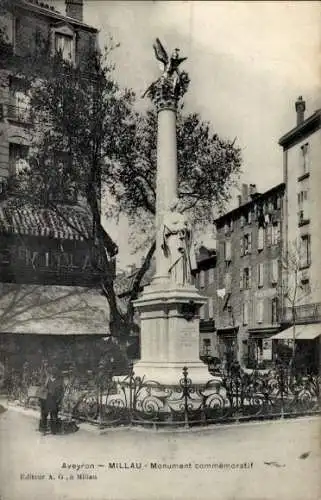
(167, 90)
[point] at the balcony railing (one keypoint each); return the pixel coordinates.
(19, 114)
(303, 313)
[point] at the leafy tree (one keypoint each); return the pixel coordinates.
(89, 140)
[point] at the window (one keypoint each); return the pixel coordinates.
(64, 44)
(226, 228)
(245, 278)
(304, 158)
(231, 225)
(260, 311)
(245, 313)
(276, 233)
(305, 251)
(242, 221)
(260, 242)
(275, 310)
(19, 108)
(247, 243)
(260, 275)
(18, 158)
(249, 217)
(275, 271)
(227, 251)
(210, 308)
(303, 205)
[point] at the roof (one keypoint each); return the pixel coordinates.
(246, 206)
(43, 8)
(302, 332)
(45, 222)
(305, 128)
(52, 310)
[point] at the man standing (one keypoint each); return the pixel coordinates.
(50, 401)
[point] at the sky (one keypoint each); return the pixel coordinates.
(248, 62)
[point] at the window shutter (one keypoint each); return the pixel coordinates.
(241, 279)
(210, 308)
(231, 225)
(250, 277)
(245, 313)
(269, 235)
(275, 271)
(250, 243)
(278, 232)
(202, 311)
(227, 251)
(260, 243)
(241, 247)
(249, 217)
(211, 275)
(261, 274)
(260, 311)
(242, 221)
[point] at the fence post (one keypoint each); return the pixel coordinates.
(131, 376)
(186, 381)
(282, 387)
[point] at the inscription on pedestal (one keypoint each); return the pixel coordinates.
(188, 342)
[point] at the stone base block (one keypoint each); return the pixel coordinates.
(170, 373)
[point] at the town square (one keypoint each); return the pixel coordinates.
(160, 297)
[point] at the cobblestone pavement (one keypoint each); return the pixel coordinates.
(277, 460)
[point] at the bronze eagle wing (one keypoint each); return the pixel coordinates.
(160, 52)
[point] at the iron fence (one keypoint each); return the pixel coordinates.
(231, 397)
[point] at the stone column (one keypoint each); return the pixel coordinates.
(166, 179)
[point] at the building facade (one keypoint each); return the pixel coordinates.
(37, 245)
(243, 283)
(48, 277)
(302, 236)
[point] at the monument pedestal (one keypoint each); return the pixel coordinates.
(170, 334)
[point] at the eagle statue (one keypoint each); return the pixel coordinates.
(170, 65)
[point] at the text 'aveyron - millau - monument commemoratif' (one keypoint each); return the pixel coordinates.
(169, 306)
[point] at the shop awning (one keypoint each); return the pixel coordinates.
(302, 332)
(52, 310)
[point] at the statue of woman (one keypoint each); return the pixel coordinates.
(178, 245)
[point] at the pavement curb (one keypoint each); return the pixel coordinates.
(94, 428)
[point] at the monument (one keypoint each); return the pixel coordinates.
(169, 306)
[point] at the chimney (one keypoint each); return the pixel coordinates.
(74, 9)
(245, 193)
(252, 190)
(300, 109)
